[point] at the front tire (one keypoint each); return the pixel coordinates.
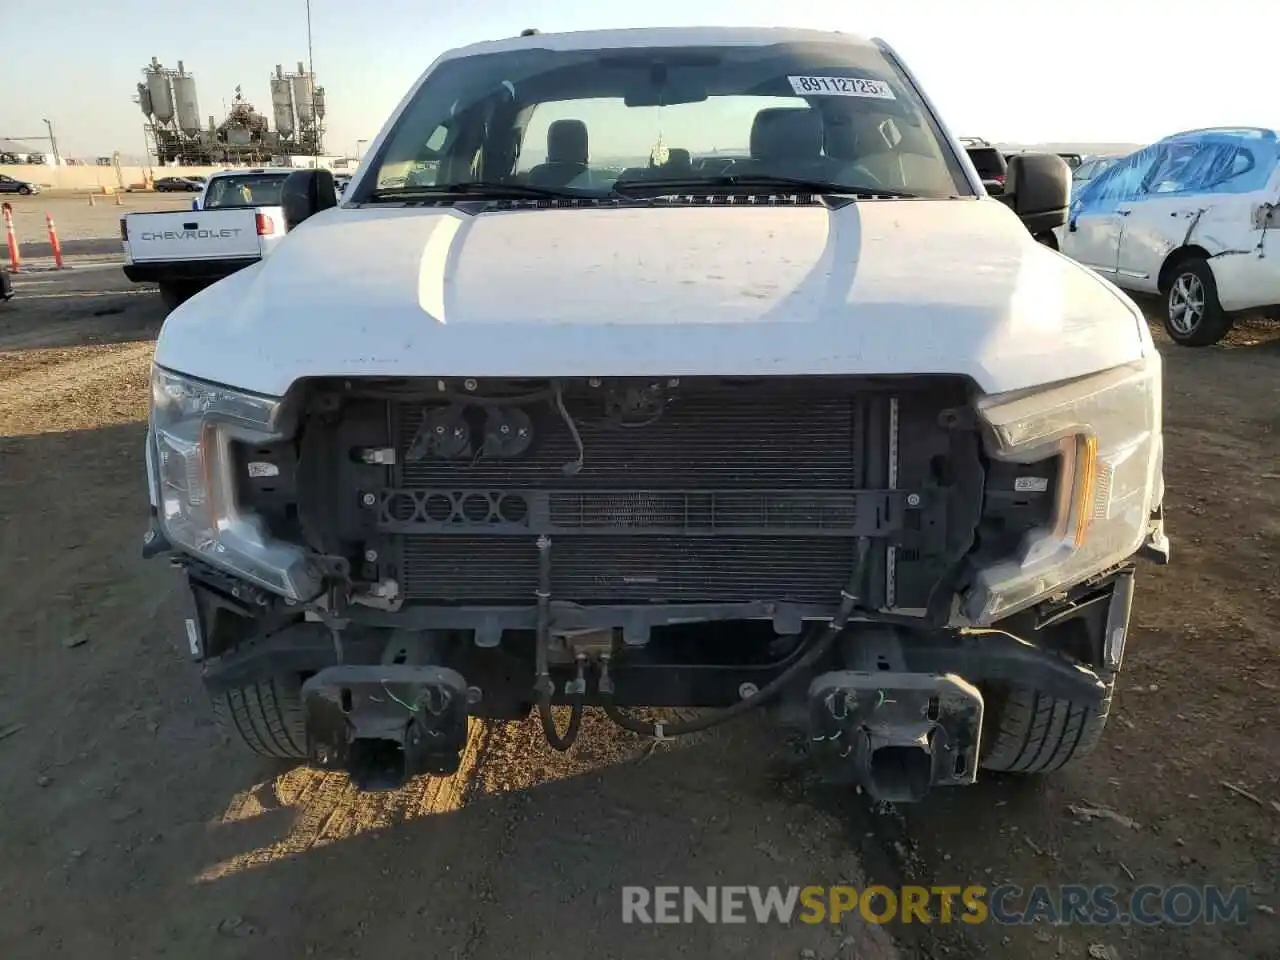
(1031, 733)
(1193, 315)
(265, 718)
(25, 191)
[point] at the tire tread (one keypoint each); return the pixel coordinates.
(266, 717)
(1037, 734)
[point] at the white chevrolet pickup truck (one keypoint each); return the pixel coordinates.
(666, 368)
(234, 222)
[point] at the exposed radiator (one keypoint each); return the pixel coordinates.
(734, 493)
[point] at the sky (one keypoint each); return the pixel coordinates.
(1087, 70)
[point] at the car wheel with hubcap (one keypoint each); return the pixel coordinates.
(1193, 316)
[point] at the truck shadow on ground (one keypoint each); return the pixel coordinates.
(88, 316)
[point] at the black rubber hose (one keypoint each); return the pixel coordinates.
(542, 684)
(848, 601)
(661, 731)
(560, 741)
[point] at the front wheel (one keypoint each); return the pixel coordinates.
(25, 191)
(1193, 315)
(1031, 733)
(265, 718)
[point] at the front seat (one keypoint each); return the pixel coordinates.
(909, 163)
(679, 163)
(566, 155)
(786, 141)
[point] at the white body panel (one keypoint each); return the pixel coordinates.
(1093, 239)
(908, 286)
(1150, 230)
(185, 235)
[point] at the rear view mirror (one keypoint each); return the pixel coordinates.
(305, 193)
(1037, 187)
(665, 96)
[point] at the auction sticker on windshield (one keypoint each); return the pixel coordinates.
(842, 87)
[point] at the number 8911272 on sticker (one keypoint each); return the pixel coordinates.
(841, 87)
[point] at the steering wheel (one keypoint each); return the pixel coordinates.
(875, 181)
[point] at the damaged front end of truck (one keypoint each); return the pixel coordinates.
(374, 561)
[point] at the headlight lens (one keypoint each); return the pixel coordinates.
(1106, 431)
(193, 424)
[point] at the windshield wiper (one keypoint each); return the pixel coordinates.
(640, 187)
(488, 189)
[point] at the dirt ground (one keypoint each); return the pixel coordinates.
(128, 828)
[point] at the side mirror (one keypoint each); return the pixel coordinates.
(305, 193)
(1037, 188)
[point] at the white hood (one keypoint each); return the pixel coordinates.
(912, 286)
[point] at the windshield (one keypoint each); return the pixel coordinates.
(582, 121)
(245, 190)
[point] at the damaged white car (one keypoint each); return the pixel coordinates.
(653, 368)
(1188, 218)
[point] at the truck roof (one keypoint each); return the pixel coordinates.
(240, 172)
(659, 37)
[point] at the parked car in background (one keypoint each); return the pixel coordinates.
(14, 185)
(340, 182)
(1194, 218)
(990, 163)
(1072, 160)
(1087, 171)
(179, 185)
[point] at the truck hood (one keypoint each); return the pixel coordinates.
(877, 286)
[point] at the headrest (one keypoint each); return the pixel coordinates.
(842, 136)
(786, 133)
(567, 142)
(861, 133)
(678, 159)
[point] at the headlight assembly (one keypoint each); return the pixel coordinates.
(1105, 431)
(193, 425)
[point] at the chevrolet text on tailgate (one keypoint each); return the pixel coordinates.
(781, 407)
(235, 222)
(223, 234)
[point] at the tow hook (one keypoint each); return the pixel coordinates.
(384, 724)
(899, 733)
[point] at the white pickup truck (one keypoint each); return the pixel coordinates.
(829, 425)
(234, 222)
